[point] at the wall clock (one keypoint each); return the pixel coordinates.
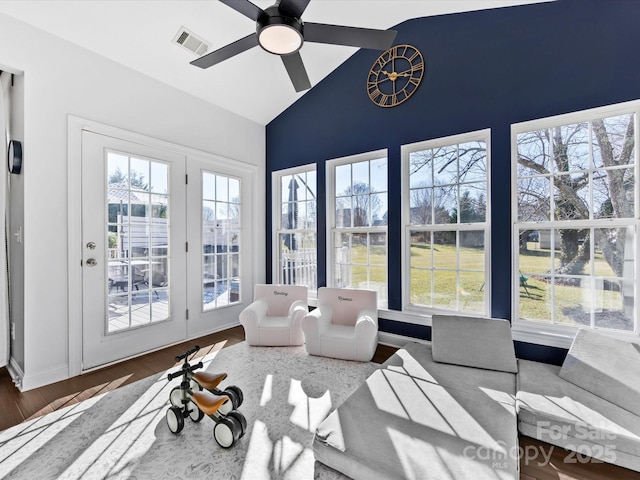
(395, 75)
(14, 158)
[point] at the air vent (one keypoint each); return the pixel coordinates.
(189, 40)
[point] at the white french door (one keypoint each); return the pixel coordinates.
(219, 266)
(133, 249)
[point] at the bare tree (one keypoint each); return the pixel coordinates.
(612, 146)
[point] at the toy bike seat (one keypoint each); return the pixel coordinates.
(209, 403)
(209, 380)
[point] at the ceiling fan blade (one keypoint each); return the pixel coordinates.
(293, 8)
(226, 52)
(350, 36)
(245, 7)
(297, 73)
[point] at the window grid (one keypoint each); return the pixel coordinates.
(588, 233)
(295, 237)
(221, 211)
(358, 234)
(447, 229)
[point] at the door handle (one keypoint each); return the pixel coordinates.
(92, 262)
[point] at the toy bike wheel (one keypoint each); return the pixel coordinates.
(241, 421)
(175, 420)
(239, 395)
(234, 399)
(227, 431)
(175, 397)
(195, 386)
(195, 414)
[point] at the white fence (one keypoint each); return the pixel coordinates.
(299, 267)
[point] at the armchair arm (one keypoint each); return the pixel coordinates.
(297, 311)
(314, 324)
(366, 335)
(367, 316)
(250, 319)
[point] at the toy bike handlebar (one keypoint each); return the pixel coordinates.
(187, 353)
(184, 370)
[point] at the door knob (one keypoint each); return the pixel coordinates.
(92, 262)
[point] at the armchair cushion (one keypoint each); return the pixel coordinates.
(275, 316)
(345, 324)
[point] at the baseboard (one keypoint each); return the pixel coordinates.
(31, 381)
(16, 372)
(395, 340)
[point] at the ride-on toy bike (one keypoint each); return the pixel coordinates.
(190, 400)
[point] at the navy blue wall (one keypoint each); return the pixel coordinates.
(486, 69)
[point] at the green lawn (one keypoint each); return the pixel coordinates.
(572, 303)
(449, 291)
(466, 291)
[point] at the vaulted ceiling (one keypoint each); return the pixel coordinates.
(254, 84)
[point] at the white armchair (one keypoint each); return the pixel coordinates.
(345, 324)
(274, 318)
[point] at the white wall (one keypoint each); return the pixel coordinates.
(61, 79)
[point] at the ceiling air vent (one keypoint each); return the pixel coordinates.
(189, 40)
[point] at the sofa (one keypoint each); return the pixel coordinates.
(452, 408)
(590, 405)
(445, 410)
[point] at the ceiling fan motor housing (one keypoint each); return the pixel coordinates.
(278, 33)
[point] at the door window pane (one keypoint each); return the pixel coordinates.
(220, 240)
(137, 282)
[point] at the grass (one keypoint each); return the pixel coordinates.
(573, 304)
(465, 290)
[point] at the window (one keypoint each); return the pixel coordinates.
(576, 219)
(295, 245)
(357, 205)
(446, 217)
(220, 240)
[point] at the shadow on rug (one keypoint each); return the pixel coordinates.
(123, 434)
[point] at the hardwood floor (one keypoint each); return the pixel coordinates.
(16, 407)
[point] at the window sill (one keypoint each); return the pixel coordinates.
(560, 336)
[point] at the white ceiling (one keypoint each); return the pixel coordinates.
(254, 84)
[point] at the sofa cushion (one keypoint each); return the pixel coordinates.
(402, 423)
(605, 366)
(473, 342)
(559, 412)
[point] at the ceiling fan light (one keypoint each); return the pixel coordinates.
(280, 39)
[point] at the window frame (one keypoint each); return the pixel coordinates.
(561, 335)
(331, 229)
(407, 227)
(276, 220)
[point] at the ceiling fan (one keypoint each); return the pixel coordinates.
(280, 31)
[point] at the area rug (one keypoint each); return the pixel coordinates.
(123, 434)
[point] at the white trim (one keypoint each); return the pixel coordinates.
(75, 127)
(15, 372)
(398, 341)
(573, 117)
(44, 377)
(483, 135)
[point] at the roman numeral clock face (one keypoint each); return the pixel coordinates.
(395, 76)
